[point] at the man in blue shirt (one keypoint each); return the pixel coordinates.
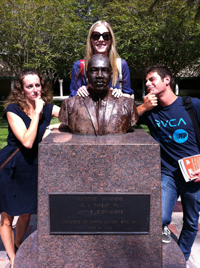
(169, 123)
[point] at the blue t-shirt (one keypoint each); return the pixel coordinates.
(77, 82)
(172, 127)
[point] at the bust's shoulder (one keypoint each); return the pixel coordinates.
(73, 100)
(121, 100)
(126, 100)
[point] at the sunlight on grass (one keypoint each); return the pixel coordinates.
(145, 128)
(3, 137)
(54, 121)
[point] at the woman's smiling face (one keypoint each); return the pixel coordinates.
(101, 46)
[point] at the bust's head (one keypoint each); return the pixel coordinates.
(99, 74)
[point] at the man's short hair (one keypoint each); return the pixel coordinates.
(162, 70)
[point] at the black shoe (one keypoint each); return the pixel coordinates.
(166, 235)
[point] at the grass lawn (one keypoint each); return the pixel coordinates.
(4, 125)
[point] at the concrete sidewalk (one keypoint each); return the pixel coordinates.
(175, 227)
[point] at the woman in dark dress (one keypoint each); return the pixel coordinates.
(28, 112)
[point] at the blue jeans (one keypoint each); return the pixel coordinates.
(171, 189)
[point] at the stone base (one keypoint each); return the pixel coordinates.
(172, 256)
(111, 164)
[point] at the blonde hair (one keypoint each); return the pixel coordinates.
(112, 53)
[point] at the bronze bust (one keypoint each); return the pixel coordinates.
(100, 113)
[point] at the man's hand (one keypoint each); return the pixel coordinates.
(150, 101)
(83, 92)
(116, 92)
(196, 172)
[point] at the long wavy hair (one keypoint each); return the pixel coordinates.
(112, 53)
(16, 96)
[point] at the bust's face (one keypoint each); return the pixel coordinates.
(99, 75)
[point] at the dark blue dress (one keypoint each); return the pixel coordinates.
(18, 178)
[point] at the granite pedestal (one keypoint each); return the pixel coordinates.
(115, 164)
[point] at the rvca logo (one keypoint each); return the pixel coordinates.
(170, 123)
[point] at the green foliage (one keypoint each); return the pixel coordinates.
(189, 3)
(54, 121)
(145, 128)
(51, 35)
(168, 34)
(3, 136)
(3, 128)
(42, 35)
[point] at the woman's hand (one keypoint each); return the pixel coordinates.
(117, 93)
(53, 127)
(83, 92)
(24, 135)
(39, 104)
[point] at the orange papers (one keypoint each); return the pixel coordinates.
(188, 165)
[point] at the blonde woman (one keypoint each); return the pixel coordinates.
(101, 40)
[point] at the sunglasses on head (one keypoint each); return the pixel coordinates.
(96, 35)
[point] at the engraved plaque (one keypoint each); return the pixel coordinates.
(99, 213)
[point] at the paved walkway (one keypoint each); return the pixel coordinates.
(175, 227)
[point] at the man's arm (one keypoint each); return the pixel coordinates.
(150, 101)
